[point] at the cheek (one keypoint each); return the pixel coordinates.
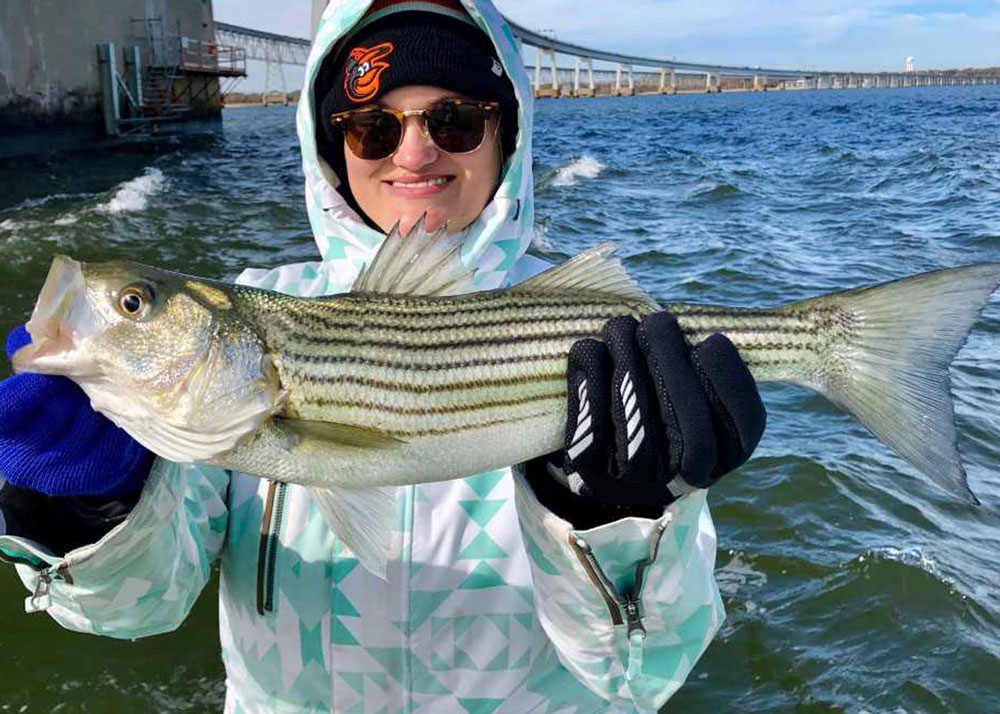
(361, 175)
(483, 173)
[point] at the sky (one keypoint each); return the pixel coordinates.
(844, 35)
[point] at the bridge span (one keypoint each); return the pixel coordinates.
(652, 76)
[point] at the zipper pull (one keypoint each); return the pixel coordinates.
(636, 637)
(39, 600)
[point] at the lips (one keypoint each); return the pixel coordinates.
(436, 181)
(418, 186)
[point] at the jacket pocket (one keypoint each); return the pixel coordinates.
(270, 543)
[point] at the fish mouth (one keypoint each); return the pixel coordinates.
(61, 318)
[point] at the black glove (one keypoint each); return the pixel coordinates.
(649, 420)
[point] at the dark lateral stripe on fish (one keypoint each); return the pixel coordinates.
(372, 322)
(394, 346)
(757, 346)
(413, 307)
(410, 308)
(725, 329)
(432, 411)
(387, 386)
(290, 358)
(501, 317)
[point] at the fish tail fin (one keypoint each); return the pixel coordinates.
(890, 368)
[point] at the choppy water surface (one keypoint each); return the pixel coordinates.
(851, 585)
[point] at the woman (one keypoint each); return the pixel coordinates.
(582, 582)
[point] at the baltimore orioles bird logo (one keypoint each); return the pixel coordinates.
(364, 67)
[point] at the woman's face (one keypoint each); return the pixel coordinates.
(422, 179)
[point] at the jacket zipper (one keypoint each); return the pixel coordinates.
(623, 609)
(585, 555)
(40, 600)
(267, 551)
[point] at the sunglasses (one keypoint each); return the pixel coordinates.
(454, 125)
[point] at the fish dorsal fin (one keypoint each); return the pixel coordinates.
(418, 263)
(595, 271)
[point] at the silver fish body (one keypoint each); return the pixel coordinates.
(406, 379)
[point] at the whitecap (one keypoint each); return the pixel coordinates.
(585, 166)
(133, 195)
(739, 575)
(540, 238)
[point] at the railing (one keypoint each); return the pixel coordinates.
(209, 57)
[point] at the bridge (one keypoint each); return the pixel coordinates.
(653, 75)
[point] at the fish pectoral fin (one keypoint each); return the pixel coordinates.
(341, 434)
(363, 519)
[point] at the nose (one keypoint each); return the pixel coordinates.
(416, 151)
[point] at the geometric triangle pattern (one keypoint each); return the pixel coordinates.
(478, 573)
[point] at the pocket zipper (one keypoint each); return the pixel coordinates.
(623, 609)
(267, 551)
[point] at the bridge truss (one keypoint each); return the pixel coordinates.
(664, 76)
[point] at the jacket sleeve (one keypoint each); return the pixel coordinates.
(630, 606)
(143, 576)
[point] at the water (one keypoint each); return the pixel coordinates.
(851, 584)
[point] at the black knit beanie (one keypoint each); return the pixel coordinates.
(402, 43)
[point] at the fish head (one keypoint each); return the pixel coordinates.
(165, 356)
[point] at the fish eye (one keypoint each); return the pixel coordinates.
(134, 300)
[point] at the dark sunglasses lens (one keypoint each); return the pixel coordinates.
(373, 135)
(456, 128)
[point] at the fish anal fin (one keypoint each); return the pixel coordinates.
(363, 519)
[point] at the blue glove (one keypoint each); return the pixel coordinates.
(649, 419)
(52, 442)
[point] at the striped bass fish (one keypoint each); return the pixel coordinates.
(412, 377)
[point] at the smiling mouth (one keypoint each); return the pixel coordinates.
(436, 181)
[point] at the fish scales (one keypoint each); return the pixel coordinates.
(356, 366)
(381, 361)
(354, 394)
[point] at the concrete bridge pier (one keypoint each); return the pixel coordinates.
(668, 86)
(619, 89)
(759, 83)
(711, 83)
(590, 90)
(540, 91)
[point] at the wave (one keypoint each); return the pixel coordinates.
(540, 238)
(133, 195)
(44, 200)
(716, 191)
(585, 166)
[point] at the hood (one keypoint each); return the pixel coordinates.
(495, 240)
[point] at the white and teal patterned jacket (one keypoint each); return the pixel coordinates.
(492, 604)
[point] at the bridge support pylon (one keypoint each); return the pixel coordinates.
(590, 90)
(668, 86)
(553, 90)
